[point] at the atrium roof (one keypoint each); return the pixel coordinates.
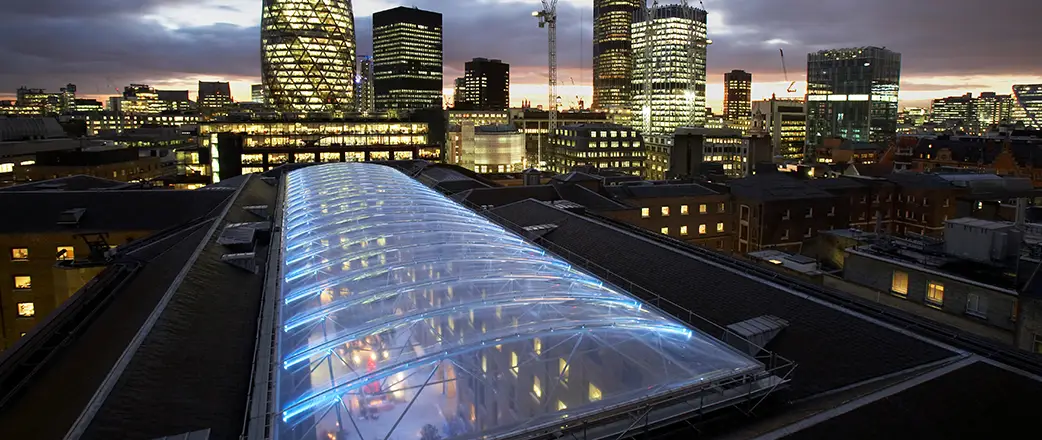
(403, 312)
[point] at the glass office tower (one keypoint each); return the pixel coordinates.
(738, 86)
(852, 93)
(407, 59)
(676, 70)
(612, 53)
(1028, 105)
(308, 55)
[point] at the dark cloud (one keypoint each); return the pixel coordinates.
(95, 43)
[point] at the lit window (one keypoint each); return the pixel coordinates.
(23, 282)
(702, 229)
(683, 230)
(513, 363)
(899, 283)
(484, 364)
(561, 406)
(665, 211)
(537, 388)
(562, 368)
(935, 293)
(645, 212)
(19, 254)
(537, 346)
(595, 393)
(721, 208)
(702, 209)
(26, 310)
(719, 227)
(664, 231)
(684, 210)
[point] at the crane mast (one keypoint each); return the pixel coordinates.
(649, 61)
(548, 19)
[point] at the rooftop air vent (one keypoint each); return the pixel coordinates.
(195, 435)
(242, 234)
(71, 216)
(536, 231)
(752, 335)
(258, 210)
(246, 261)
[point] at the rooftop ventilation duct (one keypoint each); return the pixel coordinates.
(246, 261)
(71, 216)
(752, 335)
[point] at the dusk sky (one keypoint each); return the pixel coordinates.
(949, 47)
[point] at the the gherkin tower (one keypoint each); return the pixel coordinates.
(308, 55)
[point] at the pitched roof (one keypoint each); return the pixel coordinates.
(107, 210)
(660, 191)
(774, 186)
(70, 183)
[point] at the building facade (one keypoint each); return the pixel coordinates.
(244, 147)
(215, 98)
(365, 103)
(407, 59)
(488, 148)
(308, 55)
(737, 97)
(676, 71)
(486, 85)
(1028, 105)
(257, 93)
(613, 54)
(785, 121)
(605, 146)
(690, 212)
(852, 93)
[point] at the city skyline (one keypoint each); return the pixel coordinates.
(224, 45)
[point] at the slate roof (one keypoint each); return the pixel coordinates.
(107, 210)
(1026, 153)
(774, 186)
(70, 183)
(833, 348)
(199, 380)
(918, 180)
(192, 368)
(975, 401)
(660, 191)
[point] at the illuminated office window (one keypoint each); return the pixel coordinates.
(537, 387)
(683, 230)
(562, 369)
(66, 253)
(702, 229)
(703, 208)
(20, 254)
(684, 210)
(665, 211)
(899, 283)
(26, 310)
(935, 293)
(23, 282)
(513, 363)
(537, 346)
(664, 231)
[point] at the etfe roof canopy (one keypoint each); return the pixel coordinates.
(404, 315)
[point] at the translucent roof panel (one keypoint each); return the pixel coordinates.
(404, 315)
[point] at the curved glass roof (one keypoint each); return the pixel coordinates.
(407, 316)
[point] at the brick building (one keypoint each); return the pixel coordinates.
(691, 212)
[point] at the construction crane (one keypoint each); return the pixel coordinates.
(548, 19)
(792, 85)
(649, 61)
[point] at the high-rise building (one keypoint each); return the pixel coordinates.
(785, 121)
(852, 94)
(486, 85)
(257, 93)
(662, 47)
(308, 55)
(364, 97)
(407, 59)
(1027, 107)
(459, 91)
(737, 96)
(953, 112)
(612, 54)
(214, 97)
(991, 109)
